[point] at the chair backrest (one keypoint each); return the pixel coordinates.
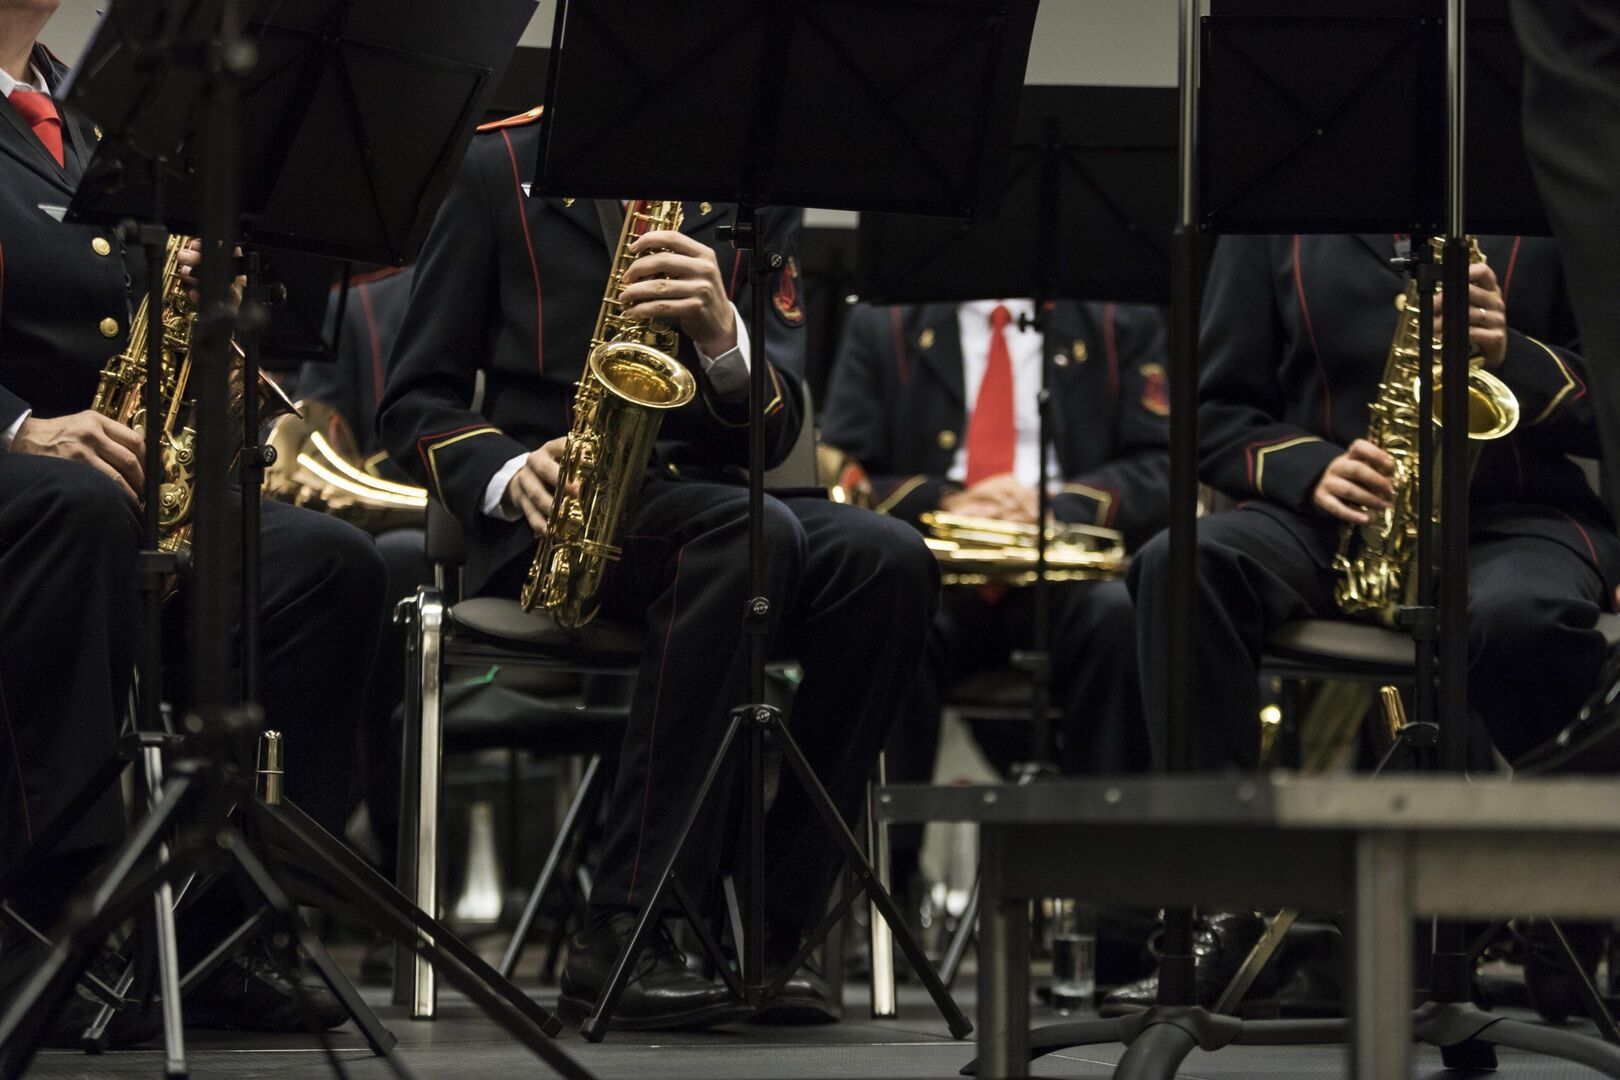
(798, 469)
(446, 541)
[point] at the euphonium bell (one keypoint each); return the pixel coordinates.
(316, 465)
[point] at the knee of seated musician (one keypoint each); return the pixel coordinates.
(1516, 635)
(323, 567)
(1096, 619)
(80, 503)
(887, 562)
(404, 554)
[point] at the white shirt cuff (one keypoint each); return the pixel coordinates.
(728, 372)
(10, 433)
(494, 504)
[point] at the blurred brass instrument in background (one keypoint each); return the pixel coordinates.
(318, 466)
(983, 551)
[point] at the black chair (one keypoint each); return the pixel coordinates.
(574, 688)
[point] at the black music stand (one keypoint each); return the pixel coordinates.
(1276, 143)
(1088, 215)
(831, 118)
(166, 80)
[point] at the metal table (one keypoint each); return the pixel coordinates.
(1388, 850)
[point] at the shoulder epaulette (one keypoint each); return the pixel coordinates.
(514, 121)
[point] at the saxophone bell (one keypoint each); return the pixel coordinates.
(630, 378)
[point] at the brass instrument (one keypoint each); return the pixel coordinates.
(120, 393)
(1376, 561)
(317, 466)
(631, 376)
(983, 551)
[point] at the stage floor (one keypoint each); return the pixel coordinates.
(462, 1044)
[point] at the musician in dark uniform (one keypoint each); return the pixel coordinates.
(1295, 335)
(1296, 331)
(69, 530)
(919, 401)
(513, 284)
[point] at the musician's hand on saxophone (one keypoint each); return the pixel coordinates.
(676, 278)
(1487, 315)
(534, 485)
(1358, 478)
(190, 257)
(99, 441)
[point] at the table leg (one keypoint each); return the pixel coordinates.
(1382, 1046)
(1003, 964)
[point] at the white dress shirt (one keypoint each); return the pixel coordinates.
(1024, 348)
(728, 374)
(36, 81)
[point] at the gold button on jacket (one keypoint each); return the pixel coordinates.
(100, 246)
(109, 327)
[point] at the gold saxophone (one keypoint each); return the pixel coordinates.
(631, 376)
(1376, 562)
(120, 395)
(318, 465)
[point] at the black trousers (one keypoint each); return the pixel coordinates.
(404, 555)
(1533, 650)
(1094, 683)
(69, 620)
(852, 593)
(1572, 135)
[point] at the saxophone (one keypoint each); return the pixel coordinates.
(630, 378)
(120, 392)
(1376, 562)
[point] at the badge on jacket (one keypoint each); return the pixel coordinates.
(1155, 390)
(786, 299)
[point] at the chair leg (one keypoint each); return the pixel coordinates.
(574, 820)
(424, 750)
(881, 936)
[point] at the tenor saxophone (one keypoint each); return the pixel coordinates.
(631, 377)
(121, 390)
(1376, 562)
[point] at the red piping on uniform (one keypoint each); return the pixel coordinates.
(1310, 332)
(16, 763)
(652, 734)
(421, 451)
(1507, 276)
(528, 242)
(1590, 550)
(736, 265)
(899, 345)
(1111, 350)
(1249, 450)
(376, 342)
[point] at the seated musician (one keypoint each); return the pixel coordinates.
(938, 404)
(1296, 331)
(69, 531)
(512, 285)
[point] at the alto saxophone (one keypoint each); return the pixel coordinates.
(631, 377)
(1376, 562)
(120, 395)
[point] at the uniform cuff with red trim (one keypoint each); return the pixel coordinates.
(1086, 504)
(1544, 382)
(1286, 473)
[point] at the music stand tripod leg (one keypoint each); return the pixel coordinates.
(595, 1025)
(959, 1024)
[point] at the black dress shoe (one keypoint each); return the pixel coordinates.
(254, 991)
(1221, 942)
(136, 1023)
(805, 999)
(663, 993)
(1553, 989)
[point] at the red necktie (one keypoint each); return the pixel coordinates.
(40, 112)
(992, 437)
